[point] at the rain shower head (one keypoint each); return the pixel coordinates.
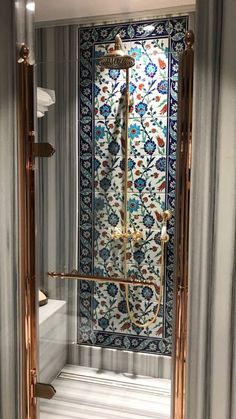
(117, 59)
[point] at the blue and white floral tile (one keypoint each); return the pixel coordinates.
(153, 98)
(147, 175)
(108, 254)
(111, 313)
(146, 251)
(139, 49)
(108, 211)
(149, 65)
(109, 173)
(109, 137)
(145, 211)
(146, 136)
(149, 99)
(109, 99)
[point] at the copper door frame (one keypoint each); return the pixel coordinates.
(183, 186)
(26, 153)
(27, 233)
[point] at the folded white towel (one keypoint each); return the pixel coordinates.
(40, 114)
(45, 98)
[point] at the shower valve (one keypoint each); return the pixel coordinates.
(137, 235)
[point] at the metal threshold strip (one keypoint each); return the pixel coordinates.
(115, 280)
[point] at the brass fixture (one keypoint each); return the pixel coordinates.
(136, 235)
(164, 240)
(183, 190)
(117, 59)
(116, 280)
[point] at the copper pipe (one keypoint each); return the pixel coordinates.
(183, 185)
(115, 280)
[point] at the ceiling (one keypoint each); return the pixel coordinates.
(47, 10)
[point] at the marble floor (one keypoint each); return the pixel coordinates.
(87, 393)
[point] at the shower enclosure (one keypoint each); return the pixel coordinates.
(106, 200)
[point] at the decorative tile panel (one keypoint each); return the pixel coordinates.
(103, 315)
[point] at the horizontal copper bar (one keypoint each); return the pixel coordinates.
(115, 280)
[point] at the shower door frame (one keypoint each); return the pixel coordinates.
(26, 154)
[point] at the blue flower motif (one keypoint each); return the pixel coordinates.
(157, 238)
(99, 271)
(105, 184)
(104, 254)
(147, 293)
(139, 256)
(164, 131)
(131, 164)
(84, 285)
(132, 88)
(122, 164)
(141, 108)
(99, 132)
(133, 205)
(122, 307)
(148, 220)
(135, 52)
(112, 290)
(96, 90)
(140, 184)
(134, 131)
(99, 54)
(113, 219)
(103, 323)
(105, 110)
(97, 164)
(114, 148)
(151, 69)
(150, 147)
(99, 204)
(162, 86)
(114, 74)
(95, 303)
(161, 164)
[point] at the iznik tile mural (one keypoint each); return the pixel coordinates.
(103, 314)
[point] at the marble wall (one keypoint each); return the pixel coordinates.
(211, 386)
(52, 339)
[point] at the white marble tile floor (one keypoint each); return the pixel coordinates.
(87, 393)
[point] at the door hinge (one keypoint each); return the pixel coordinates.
(41, 390)
(42, 150)
(44, 391)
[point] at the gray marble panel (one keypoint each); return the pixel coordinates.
(120, 361)
(52, 339)
(87, 393)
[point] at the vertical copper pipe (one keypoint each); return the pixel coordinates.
(183, 186)
(27, 233)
